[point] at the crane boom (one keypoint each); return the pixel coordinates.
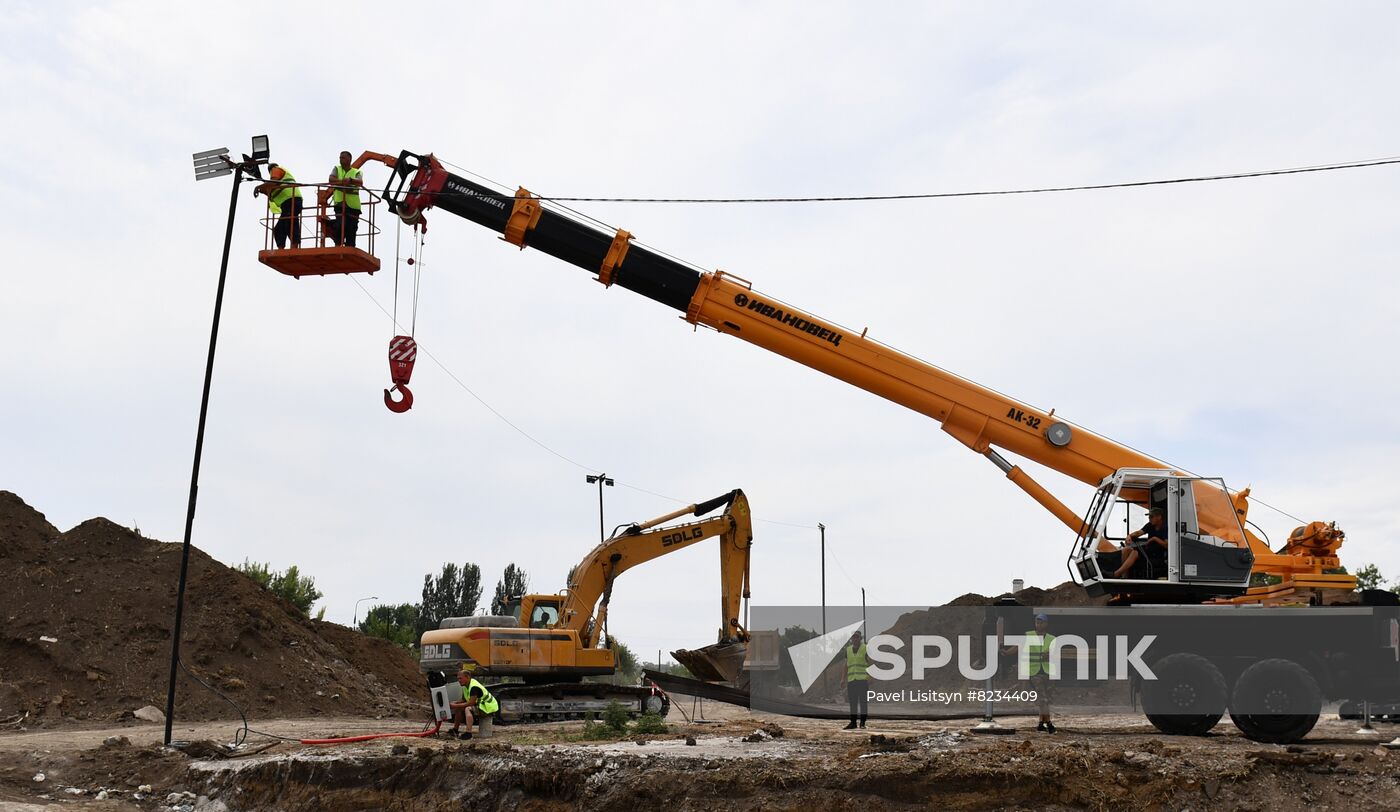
(1211, 552)
(978, 417)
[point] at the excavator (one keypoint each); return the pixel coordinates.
(551, 642)
(1213, 568)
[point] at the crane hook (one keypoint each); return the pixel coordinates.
(403, 351)
(398, 406)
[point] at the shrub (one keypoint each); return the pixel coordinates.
(615, 716)
(650, 723)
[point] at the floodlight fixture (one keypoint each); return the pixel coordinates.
(261, 150)
(212, 163)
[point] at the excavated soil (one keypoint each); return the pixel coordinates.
(85, 626)
(85, 620)
(1094, 763)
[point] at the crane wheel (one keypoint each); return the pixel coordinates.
(1187, 698)
(1275, 701)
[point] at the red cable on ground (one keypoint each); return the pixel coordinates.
(349, 739)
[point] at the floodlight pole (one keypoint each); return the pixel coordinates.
(601, 479)
(198, 453)
(356, 622)
(822, 528)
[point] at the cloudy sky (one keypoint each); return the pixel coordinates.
(1243, 329)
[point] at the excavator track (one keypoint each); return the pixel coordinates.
(562, 701)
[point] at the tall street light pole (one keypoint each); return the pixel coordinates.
(212, 163)
(356, 621)
(601, 479)
(822, 528)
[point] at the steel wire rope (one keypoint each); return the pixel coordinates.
(1358, 164)
(398, 258)
(1297, 170)
(417, 279)
(523, 433)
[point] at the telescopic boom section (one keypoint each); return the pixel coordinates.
(585, 606)
(979, 418)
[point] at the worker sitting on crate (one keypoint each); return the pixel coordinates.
(477, 704)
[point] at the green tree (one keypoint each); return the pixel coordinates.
(514, 582)
(1369, 577)
(456, 592)
(289, 585)
(395, 623)
(299, 589)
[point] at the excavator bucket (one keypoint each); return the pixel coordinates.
(721, 662)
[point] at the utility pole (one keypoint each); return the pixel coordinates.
(208, 164)
(601, 479)
(865, 630)
(822, 528)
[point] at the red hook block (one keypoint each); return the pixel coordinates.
(403, 351)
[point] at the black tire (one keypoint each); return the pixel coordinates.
(1187, 698)
(1280, 685)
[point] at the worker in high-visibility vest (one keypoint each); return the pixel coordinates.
(1041, 668)
(857, 681)
(283, 202)
(477, 705)
(346, 183)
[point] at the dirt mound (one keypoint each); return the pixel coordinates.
(87, 617)
(1067, 594)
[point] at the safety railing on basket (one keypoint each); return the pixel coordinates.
(324, 224)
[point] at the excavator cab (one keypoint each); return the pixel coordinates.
(1207, 554)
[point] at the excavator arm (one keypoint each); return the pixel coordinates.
(585, 606)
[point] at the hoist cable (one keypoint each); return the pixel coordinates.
(398, 257)
(417, 278)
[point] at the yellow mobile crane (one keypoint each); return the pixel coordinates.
(1211, 555)
(551, 642)
(1276, 666)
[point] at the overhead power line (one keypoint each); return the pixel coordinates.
(1297, 170)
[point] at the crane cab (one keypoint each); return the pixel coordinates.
(1206, 555)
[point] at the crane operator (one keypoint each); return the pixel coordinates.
(1155, 545)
